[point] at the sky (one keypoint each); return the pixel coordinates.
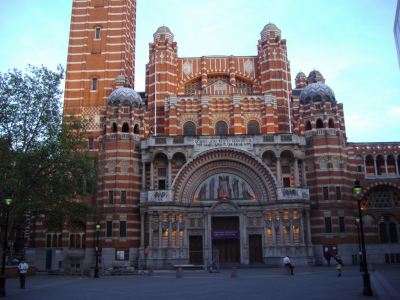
(350, 42)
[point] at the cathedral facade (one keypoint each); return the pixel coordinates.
(219, 160)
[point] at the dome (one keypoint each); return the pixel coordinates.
(126, 97)
(316, 92)
(301, 80)
(315, 76)
(163, 33)
(301, 76)
(270, 31)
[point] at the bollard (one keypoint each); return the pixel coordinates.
(233, 273)
(179, 273)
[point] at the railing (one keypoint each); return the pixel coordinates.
(293, 194)
(237, 141)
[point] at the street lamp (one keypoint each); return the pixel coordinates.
(8, 202)
(367, 291)
(96, 268)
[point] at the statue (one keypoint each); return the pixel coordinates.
(224, 190)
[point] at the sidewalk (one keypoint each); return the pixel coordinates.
(317, 283)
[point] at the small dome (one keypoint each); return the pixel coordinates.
(301, 80)
(121, 80)
(126, 97)
(315, 76)
(317, 92)
(270, 31)
(163, 33)
(301, 76)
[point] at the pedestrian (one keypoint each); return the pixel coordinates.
(288, 265)
(22, 269)
(339, 265)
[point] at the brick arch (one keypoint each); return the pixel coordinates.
(227, 160)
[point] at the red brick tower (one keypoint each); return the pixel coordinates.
(161, 76)
(321, 120)
(275, 72)
(101, 47)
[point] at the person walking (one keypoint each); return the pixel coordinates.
(22, 270)
(339, 265)
(288, 265)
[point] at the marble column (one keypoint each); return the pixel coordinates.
(386, 166)
(151, 176)
(169, 173)
(291, 227)
(376, 167)
(365, 167)
(296, 173)
(144, 176)
(278, 172)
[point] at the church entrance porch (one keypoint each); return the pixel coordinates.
(225, 234)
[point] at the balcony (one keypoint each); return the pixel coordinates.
(203, 143)
(293, 194)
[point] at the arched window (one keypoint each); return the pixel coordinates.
(114, 127)
(221, 128)
(125, 127)
(331, 123)
(136, 129)
(320, 124)
(308, 125)
(189, 129)
(253, 128)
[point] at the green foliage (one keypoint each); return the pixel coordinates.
(42, 164)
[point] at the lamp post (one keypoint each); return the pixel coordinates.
(367, 291)
(96, 268)
(8, 202)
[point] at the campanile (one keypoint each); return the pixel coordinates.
(101, 47)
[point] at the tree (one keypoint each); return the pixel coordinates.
(43, 166)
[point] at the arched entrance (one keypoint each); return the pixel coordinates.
(224, 186)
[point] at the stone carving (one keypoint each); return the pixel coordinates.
(248, 67)
(187, 68)
(224, 186)
(224, 207)
(124, 166)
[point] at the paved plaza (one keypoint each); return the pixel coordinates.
(317, 283)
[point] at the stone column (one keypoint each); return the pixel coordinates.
(301, 216)
(169, 174)
(296, 173)
(303, 172)
(397, 166)
(281, 227)
(142, 230)
(244, 259)
(151, 176)
(386, 166)
(170, 230)
(144, 176)
(291, 227)
(376, 167)
(365, 166)
(308, 227)
(278, 172)
(160, 232)
(273, 231)
(150, 215)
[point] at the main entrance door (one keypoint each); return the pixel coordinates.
(255, 248)
(196, 249)
(226, 238)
